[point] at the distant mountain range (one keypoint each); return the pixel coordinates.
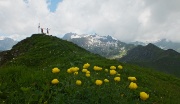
(154, 57)
(6, 44)
(110, 47)
(106, 46)
(163, 44)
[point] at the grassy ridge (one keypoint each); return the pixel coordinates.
(26, 76)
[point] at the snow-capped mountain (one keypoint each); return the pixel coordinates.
(6, 44)
(106, 46)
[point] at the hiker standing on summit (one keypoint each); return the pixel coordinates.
(42, 31)
(48, 31)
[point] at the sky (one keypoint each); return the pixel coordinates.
(126, 20)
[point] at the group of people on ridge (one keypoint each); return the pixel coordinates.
(42, 29)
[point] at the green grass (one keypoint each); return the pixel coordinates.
(26, 78)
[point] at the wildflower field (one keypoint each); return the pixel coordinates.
(52, 71)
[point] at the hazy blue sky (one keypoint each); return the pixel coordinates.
(53, 5)
(126, 20)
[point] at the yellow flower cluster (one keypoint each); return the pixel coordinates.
(55, 81)
(55, 70)
(117, 79)
(98, 82)
(97, 68)
(85, 66)
(106, 80)
(88, 75)
(132, 78)
(78, 82)
(133, 85)
(84, 70)
(75, 73)
(106, 70)
(72, 69)
(144, 95)
(112, 67)
(112, 72)
(120, 67)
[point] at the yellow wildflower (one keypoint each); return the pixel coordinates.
(74, 69)
(112, 67)
(55, 81)
(106, 80)
(69, 71)
(78, 82)
(144, 95)
(75, 73)
(87, 72)
(133, 85)
(106, 70)
(97, 68)
(120, 67)
(98, 82)
(84, 70)
(85, 66)
(55, 70)
(112, 72)
(87, 75)
(132, 78)
(117, 79)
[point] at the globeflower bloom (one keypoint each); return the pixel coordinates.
(120, 67)
(75, 73)
(69, 70)
(97, 68)
(74, 69)
(85, 66)
(55, 81)
(112, 67)
(88, 75)
(106, 80)
(132, 78)
(78, 82)
(88, 72)
(112, 72)
(98, 82)
(133, 85)
(55, 70)
(144, 95)
(117, 79)
(106, 70)
(84, 70)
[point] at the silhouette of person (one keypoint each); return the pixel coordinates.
(42, 30)
(47, 31)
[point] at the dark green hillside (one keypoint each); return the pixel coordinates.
(40, 50)
(26, 75)
(151, 56)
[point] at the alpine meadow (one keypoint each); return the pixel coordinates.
(44, 69)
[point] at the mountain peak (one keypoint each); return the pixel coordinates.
(43, 46)
(151, 46)
(106, 46)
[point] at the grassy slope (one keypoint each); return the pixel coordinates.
(26, 77)
(153, 57)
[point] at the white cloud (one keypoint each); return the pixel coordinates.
(127, 20)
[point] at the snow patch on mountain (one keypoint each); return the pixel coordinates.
(106, 46)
